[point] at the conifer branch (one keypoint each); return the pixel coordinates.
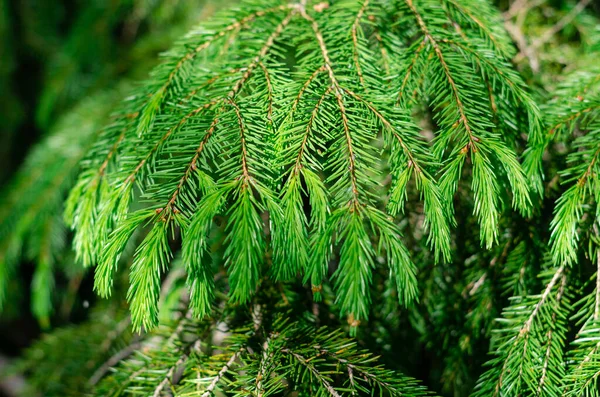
(410, 68)
(274, 157)
(309, 127)
(213, 384)
(270, 93)
(321, 378)
(550, 334)
(333, 143)
(413, 162)
(113, 361)
(526, 345)
(355, 26)
(355, 203)
(244, 149)
(192, 165)
(480, 24)
(463, 117)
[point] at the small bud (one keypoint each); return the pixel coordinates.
(321, 6)
(352, 321)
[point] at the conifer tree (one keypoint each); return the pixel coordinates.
(299, 182)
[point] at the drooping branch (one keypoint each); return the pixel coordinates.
(342, 108)
(314, 371)
(472, 145)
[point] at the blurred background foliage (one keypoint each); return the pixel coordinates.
(65, 65)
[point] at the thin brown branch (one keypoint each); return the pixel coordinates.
(185, 355)
(112, 361)
(549, 337)
(355, 52)
(192, 165)
(245, 171)
(206, 84)
(111, 152)
(213, 384)
(386, 123)
(354, 368)
(588, 172)
(594, 318)
(169, 375)
(230, 96)
(384, 53)
(305, 86)
(164, 138)
(264, 364)
(313, 117)
(269, 92)
(525, 329)
(520, 9)
(483, 26)
(340, 101)
(481, 59)
(417, 53)
(261, 54)
(237, 25)
(515, 8)
(566, 120)
(455, 92)
(306, 363)
(559, 273)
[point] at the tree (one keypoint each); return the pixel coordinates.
(292, 172)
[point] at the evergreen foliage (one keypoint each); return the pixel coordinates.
(31, 228)
(269, 140)
(405, 171)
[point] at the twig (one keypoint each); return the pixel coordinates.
(313, 370)
(515, 8)
(525, 51)
(112, 361)
(564, 21)
(222, 372)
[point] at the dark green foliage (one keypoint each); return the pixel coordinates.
(62, 362)
(34, 201)
(254, 360)
(407, 171)
(31, 225)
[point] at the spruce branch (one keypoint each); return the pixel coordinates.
(318, 375)
(227, 130)
(526, 345)
(582, 165)
(583, 370)
(387, 153)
